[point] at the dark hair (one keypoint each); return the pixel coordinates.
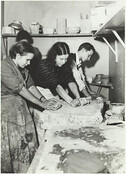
(59, 48)
(23, 34)
(21, 48)
(87, 46)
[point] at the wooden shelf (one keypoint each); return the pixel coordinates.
(113, 26)
(6, 36)
(52, 35)
(117, 22)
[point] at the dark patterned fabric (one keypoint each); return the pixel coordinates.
(18, 136)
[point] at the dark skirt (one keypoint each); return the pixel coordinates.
(18, 135)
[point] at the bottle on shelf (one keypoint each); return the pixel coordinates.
(40, 29)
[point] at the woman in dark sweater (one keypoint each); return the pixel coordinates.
(53, 74)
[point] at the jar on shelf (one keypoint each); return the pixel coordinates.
(61, 24)
(16, 25)
(98, 78)
(40, 29)
(34, 28)
(85, 24)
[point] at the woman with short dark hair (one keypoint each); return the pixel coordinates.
(18, 134)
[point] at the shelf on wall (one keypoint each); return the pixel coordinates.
(52, 35)
(115, 24)
(6, 36)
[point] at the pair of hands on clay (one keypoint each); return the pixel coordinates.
(75, 103)
(51, 104)
(80, 102)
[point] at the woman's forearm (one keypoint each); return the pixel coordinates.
(51, 104)
(74, 90)
(30, 97)
(62, 93)
(35, 92)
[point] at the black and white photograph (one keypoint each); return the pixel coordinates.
(63, 87)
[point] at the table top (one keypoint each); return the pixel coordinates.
(105, 142)
(89, 114)
(60, 139)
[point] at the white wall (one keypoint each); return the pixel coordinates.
(46, 12)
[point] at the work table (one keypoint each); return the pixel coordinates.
(73, 131)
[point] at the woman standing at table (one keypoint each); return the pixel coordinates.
(18, 134)
(53, 74)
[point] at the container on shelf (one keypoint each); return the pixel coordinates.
(85, 23)
(34, 28)
(48, 30)
(40, 29)
(101, 78)
(17, 25)
(7, 30)
(98, 17)
(61, 24)
(72, 30)
(98, 78)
